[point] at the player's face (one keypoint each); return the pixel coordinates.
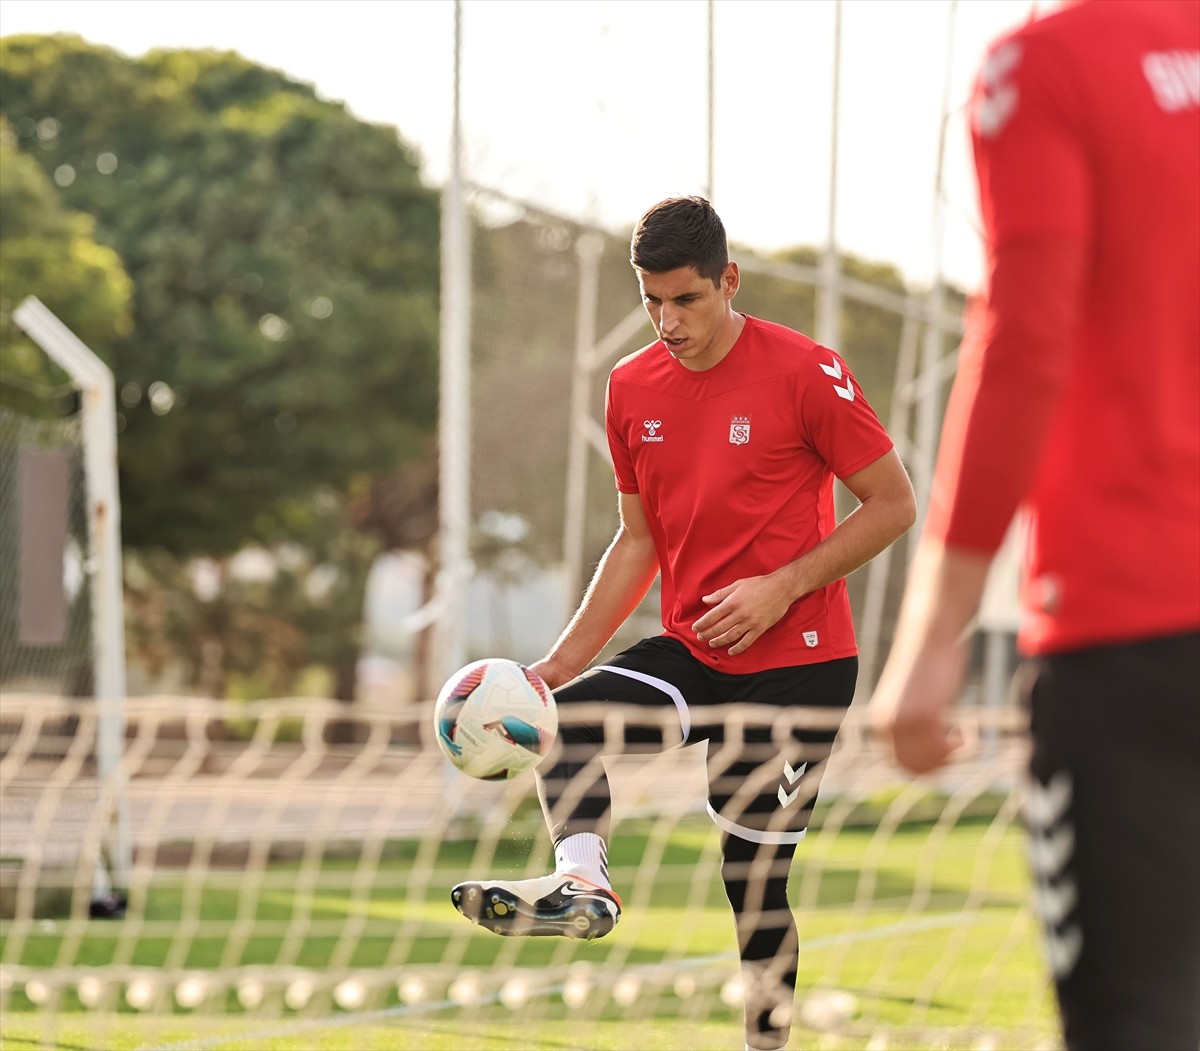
(692, 316)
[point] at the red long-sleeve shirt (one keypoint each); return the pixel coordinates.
(1078, 393)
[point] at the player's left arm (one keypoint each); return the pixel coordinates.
(744, 609)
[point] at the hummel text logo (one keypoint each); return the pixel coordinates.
(652, 434)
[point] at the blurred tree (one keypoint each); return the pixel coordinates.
(284, 258)
(49, 251)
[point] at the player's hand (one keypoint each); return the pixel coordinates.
(741, 612)
(911, 707)
(551, 675)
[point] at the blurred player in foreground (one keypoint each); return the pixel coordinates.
(726, 434)
(1078, 395)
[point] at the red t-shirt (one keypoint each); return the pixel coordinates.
(735, 467)
(1079, 384)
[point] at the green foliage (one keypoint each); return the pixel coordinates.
(284, 260)
(260, 269)
(50, 251)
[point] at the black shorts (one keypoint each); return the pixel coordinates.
(769, 734)
(1113, 814)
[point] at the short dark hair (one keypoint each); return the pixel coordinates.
(678, 232)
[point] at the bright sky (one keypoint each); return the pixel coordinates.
(598, 108)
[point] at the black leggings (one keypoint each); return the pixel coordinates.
(755, 877)
(769, 735)
(1115, 825)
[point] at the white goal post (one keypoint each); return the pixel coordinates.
(98, 424)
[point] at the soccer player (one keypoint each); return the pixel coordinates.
(1078, 395)
(726, 435)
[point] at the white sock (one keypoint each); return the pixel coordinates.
(585, 855)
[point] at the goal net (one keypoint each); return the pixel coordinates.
(286, 887)
(45, 613)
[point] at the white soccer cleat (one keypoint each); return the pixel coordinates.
(548, 905)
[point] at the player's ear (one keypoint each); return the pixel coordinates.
(731, 279)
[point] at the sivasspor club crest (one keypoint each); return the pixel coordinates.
(739, 430)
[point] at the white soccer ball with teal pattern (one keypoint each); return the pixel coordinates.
(495, 719)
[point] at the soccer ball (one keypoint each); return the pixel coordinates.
(495, 719)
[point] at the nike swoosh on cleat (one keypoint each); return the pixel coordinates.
(567, 890)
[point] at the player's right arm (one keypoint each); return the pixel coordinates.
(619, 584)
(1037, 199)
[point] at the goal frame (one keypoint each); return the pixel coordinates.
(98, 416)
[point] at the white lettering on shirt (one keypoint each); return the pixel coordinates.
(1174, 77)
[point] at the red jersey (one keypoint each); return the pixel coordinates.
(1087, 145)
(735, 468)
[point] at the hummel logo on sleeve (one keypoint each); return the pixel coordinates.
(835, 370)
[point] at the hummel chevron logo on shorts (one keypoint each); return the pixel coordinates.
(547, 905)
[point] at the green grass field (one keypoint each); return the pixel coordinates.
(923, 934)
